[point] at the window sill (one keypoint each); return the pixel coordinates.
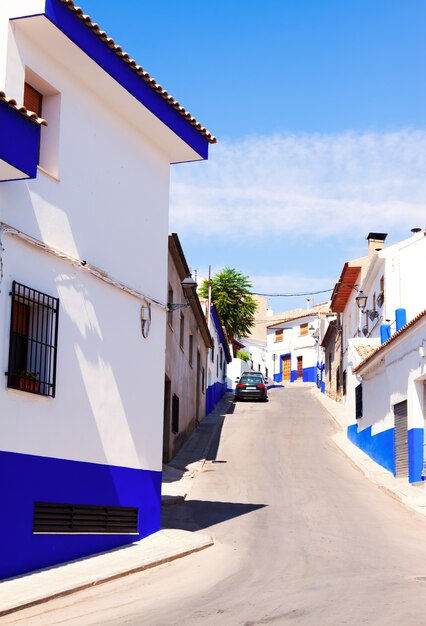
(49, 174)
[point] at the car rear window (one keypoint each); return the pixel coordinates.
(251, 380)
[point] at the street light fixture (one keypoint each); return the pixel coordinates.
(361, 300)
(189, 287)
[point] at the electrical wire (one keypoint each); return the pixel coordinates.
(290, 295)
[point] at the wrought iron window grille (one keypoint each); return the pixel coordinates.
(33, 341)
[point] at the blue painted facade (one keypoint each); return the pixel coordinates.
(83, 37)
(19, 140)
(37, 479)
(381, 448)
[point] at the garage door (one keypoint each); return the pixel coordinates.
(401, 439)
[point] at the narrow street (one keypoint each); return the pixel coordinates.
(301, 537)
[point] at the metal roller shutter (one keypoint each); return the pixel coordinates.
(401, 439)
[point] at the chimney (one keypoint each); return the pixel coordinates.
(376, 242)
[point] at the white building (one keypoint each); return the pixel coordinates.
(385, 362)
(83, 285)
(293, 349)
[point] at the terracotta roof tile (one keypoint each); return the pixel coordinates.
(395, 336)
(364, 350)
(138, 69)
(22, 110)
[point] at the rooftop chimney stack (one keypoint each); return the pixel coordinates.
(376, 242)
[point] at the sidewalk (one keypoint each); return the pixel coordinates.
(399, 488)
(161, 547)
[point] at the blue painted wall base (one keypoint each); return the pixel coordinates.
(27, 479)
(415, 454)
(213, 394)
(380, 447)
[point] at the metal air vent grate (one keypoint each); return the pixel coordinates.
(50, 517)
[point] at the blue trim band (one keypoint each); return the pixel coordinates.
(108, 60)
(39, 479)
(219, 331)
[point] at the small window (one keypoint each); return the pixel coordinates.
(175, 414)
(182, 330)
(33, 100)
(279, 335)
(190, 348)
(221, 357)
(303, 330)
(203, 375)
(33, 341)
(45, 100)
(344, 382)
(212, 354)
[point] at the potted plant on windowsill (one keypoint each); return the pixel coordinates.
(28, 381)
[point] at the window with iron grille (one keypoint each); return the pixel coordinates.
(50, 517)
(33, 341)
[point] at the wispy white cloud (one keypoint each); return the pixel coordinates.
(317, 184)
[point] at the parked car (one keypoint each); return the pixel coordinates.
(251, 386)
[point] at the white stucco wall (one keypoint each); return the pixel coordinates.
(106, 408)
(104, 200)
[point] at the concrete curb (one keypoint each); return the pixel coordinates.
(36, 588)
(161, 547)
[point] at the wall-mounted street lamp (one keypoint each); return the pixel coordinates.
(361, 300)
(189, 287)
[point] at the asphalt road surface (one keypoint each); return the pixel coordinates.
(301, 536)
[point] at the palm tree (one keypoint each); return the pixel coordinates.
(230, 292)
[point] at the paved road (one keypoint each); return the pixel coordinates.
(301, 538)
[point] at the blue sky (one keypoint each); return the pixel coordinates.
(319, 108)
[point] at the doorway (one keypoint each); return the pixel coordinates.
(299, 367)
(166, 421)
(286, 367)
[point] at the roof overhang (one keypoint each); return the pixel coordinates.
(344, 287)
(19, 144)
(55, 27)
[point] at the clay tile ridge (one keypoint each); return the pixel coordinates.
(22, 110)
(391, 339)
(138, 69)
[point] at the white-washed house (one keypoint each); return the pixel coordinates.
(389, 371)
(83, 285)
(293, 350)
